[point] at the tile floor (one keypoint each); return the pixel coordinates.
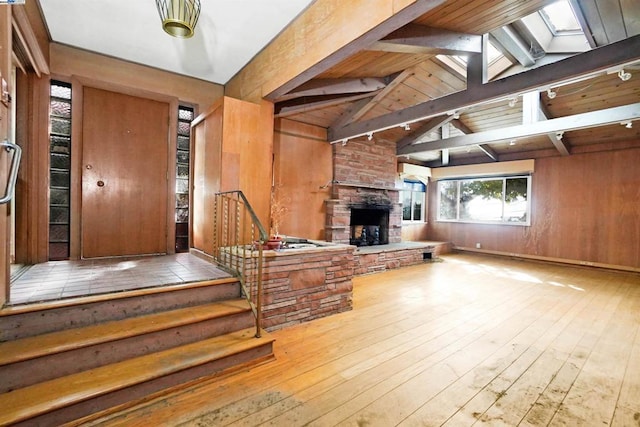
(64, 279)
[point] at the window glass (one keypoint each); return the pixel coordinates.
(448, 194)
(486, 200)
(560, 18)
(481, 200)
(413, 201)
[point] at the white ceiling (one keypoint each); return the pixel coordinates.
(228, 35)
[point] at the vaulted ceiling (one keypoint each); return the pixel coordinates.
(546, 94)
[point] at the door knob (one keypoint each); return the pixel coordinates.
(100, 183)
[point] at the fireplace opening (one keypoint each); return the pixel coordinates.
(369, 227)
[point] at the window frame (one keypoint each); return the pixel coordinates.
(503, 221)
(423, 209)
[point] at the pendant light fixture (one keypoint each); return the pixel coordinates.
(179, 17)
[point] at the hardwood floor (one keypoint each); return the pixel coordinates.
(470, 340)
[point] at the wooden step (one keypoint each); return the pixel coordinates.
(27, 361)
(22, 321)
(66, 398)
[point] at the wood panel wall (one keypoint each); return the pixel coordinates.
(232, 150)
(585, 210)
(302, 173)
(67, 61)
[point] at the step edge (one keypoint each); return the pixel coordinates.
(26, 411)
(105, 415)
(98, 337)
(11, 310)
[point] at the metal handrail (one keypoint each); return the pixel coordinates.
(237, 246)
(13, 173)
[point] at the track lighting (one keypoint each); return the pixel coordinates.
(624, 76)
(551, 94)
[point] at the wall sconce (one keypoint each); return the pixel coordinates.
(512, 142)
(551, 94)
(559, 135)
(628, 124)
(512, 102)
(370, 136)
(405, 126)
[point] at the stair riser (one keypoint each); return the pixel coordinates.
(44, 368)
(88, 407)
(35, 323)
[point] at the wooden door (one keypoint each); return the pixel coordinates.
(124, 174)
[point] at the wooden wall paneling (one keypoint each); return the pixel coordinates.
(67, 61)
(232, 151)
(584, 210)
(206, 163)
(77, 116)
(32, 190)
(303, 170)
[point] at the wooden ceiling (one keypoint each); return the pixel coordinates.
(397, 81)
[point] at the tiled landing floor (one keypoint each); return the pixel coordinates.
(64, 279)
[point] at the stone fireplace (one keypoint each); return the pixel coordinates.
(353, 211)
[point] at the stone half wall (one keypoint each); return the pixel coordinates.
(306, 284)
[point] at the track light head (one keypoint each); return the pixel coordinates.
(624, 75)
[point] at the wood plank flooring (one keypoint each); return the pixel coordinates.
(471, 340)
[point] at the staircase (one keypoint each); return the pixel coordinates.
(68, 359)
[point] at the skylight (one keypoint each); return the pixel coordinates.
(560, 18)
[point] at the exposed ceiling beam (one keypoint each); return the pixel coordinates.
(424, 130)
(335, 86)
(511, 41)
(591, 119)
(489, 152)
(380, 95)
(533, 111)
(587, 63)
(413, 38)
(348, 114)
(483, 147)
(403, 17)
(297, 106)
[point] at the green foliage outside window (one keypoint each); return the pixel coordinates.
(499, 199)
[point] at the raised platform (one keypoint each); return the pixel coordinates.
(374, 259)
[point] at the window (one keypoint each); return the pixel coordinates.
(59, 169)
(413, 201)
(485, 200)
(185, 117)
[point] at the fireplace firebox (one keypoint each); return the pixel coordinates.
(369, 227)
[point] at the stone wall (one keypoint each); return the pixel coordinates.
(306, 284)
(362, 170)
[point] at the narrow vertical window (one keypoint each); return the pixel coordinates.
(413, 201)
(59, 169)
(185, 117)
